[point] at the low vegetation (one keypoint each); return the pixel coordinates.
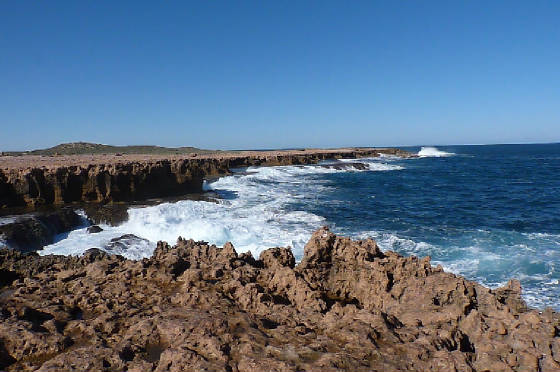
(80, 148)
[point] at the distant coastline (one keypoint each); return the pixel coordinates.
(34, 180)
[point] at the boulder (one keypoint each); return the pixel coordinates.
(345, 166)
(123, 242)
(32, 233)
(94, 229)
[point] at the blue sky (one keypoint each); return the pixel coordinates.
(276, 74)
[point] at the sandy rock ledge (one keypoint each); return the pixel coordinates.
(346, 307)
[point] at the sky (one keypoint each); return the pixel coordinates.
(278, 74)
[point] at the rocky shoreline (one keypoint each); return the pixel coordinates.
(35, 181)
(346, 306)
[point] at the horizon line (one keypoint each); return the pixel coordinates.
(298, 147)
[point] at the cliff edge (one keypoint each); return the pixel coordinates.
(38, 180)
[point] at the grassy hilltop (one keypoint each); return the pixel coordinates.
(84, 148)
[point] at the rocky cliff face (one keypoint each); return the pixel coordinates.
(104, 183)
(346, 307)
(137, 180)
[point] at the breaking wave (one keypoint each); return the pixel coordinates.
(433, 152)
(253, 212)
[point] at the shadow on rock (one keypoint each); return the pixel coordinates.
(32, 233)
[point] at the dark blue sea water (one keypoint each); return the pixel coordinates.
(489, 213)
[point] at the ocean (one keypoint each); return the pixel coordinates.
(489, 212)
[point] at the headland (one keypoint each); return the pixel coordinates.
(38, 180)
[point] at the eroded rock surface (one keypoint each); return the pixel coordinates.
(346, 306)
(102, 183)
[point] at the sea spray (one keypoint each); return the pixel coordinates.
(251, 214)
(433, 152)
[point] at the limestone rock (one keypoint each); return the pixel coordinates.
(193, 306)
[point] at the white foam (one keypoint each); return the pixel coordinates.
(433, 152)
(493, 259)
(384, 167)
(254, 214)
(535, 236)
(7, 219)
(466, 267)
(390, 156)
(391, 242)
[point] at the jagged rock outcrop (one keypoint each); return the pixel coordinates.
(48, 181)
(31, 233)
(346, 307)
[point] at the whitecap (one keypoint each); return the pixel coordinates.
(433, 152)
